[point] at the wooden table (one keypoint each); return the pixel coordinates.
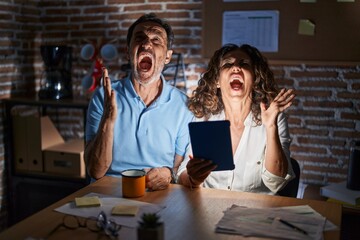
(189, 214)
(350, 214)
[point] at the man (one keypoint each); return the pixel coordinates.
(139, 122)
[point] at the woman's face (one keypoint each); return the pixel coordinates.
(236, 78)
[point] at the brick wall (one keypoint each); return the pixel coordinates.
(323, 121)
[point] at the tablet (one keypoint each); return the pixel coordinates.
(211, 140)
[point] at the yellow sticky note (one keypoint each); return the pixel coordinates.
(125, 210)
(306, 27)
(87, 201)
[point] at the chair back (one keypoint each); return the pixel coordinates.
(291, 189)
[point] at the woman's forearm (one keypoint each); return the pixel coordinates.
(275, 159)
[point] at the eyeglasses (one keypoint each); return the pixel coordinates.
(94, 224)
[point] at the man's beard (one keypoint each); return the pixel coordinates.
(144, 83)
(152, 79)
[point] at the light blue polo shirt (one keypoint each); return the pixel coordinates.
(144, 137)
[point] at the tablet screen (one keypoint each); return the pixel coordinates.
(211, 140)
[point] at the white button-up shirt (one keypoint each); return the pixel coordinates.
(250, 174)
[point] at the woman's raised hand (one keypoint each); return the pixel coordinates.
(280, 103)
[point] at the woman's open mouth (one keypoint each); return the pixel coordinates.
(236, 84)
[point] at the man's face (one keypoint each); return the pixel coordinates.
(148, 52)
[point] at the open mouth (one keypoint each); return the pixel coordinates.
(236, 84)
(145, 62)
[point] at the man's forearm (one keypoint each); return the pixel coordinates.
(98, 152)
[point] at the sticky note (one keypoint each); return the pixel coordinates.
(87, 201)
(306, 27)
(125, 210)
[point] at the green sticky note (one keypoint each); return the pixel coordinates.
(306, 27)
(125, 210)
(87, 201)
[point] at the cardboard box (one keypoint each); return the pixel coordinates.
(31, 135)
(66, 159)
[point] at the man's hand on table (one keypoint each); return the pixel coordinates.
(158, 178)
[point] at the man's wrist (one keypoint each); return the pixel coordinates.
(172, 174)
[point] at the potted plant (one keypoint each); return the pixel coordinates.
(150, 227)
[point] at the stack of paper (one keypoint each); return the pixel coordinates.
(298, 222)
(340, 192)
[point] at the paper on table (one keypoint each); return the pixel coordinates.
(259, 222)
(107, 203)
(306, 209)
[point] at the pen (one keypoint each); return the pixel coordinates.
(292, 226)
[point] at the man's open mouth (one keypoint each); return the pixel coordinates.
(145, 62)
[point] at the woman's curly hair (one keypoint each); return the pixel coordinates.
(206, 99)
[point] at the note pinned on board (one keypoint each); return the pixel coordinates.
(306, 27)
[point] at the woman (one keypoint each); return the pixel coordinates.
(239, 86)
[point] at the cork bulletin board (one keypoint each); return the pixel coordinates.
(336, 34)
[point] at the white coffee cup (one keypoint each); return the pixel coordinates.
(108, 52)
(87, 81)
(87, 51)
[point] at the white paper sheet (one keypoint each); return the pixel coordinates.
(107, 203)
(262, 222)
(257, 28)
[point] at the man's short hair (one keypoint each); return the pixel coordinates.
(151, 17)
